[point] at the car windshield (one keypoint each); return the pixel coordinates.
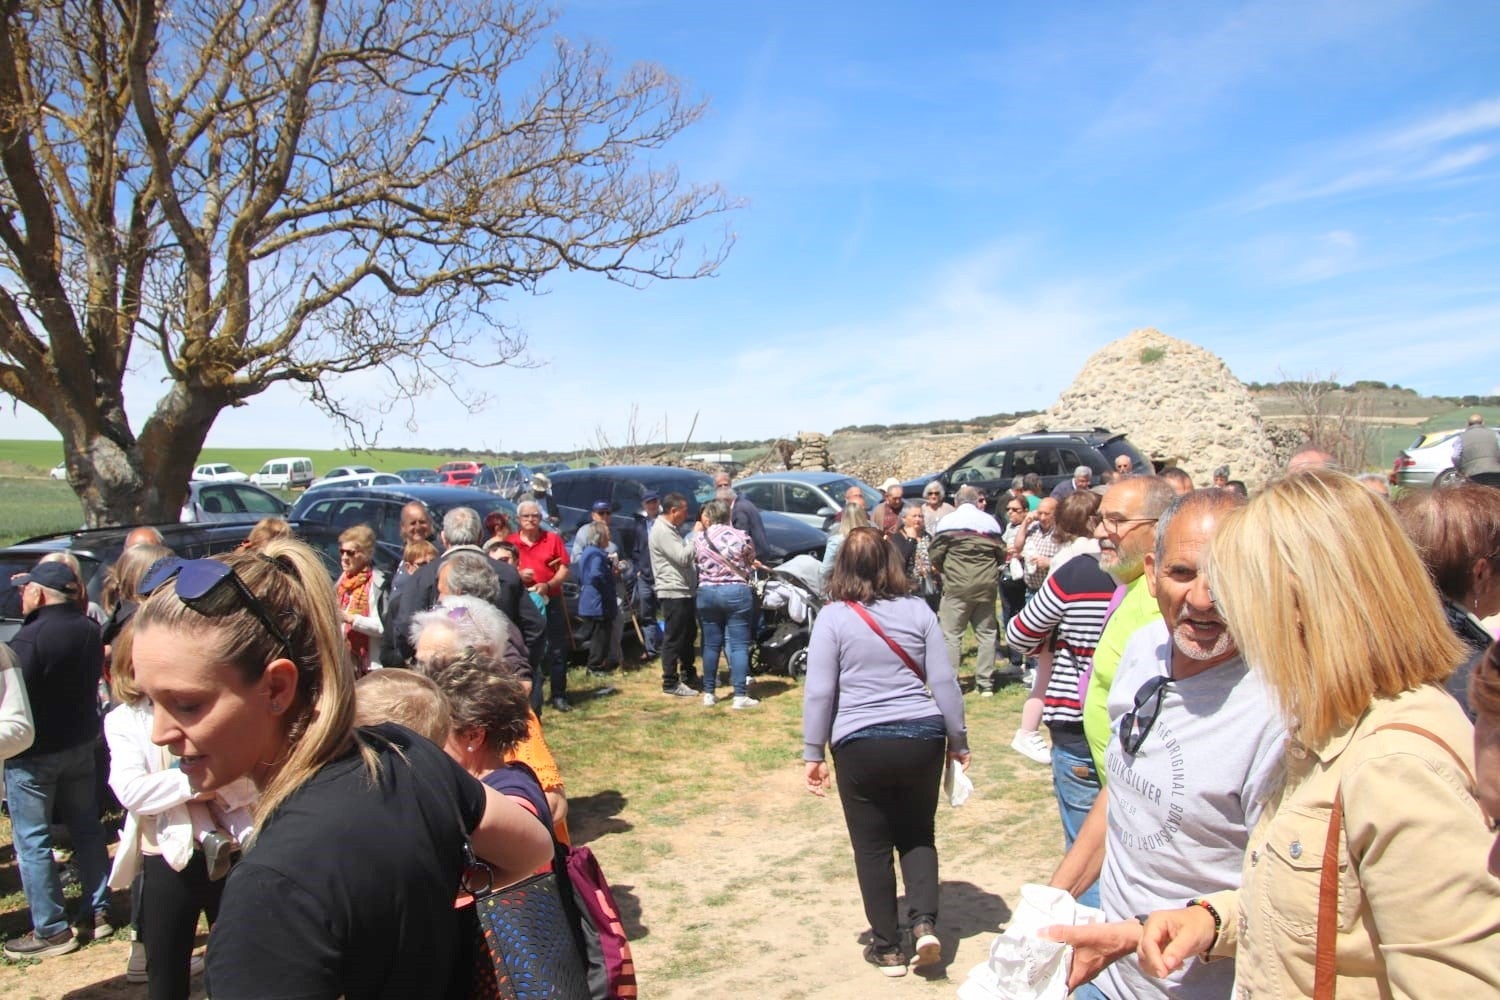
(839, 487)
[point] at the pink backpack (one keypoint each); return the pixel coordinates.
(607, 951)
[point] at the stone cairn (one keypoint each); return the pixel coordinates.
(811, 452)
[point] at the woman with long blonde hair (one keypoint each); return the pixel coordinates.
(1360, 878)
(347, 887)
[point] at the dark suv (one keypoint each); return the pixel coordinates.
(1053, 455)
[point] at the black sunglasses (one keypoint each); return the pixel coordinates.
(199, 579)
(1135, 725)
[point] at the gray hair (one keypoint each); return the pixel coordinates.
(475, 624)
(1018, 484)
(717, 511)
(472, 574)
(1083, 472)
(966, 494)
(527, 507)
(461, 526)
(1031, 481)
(1206, 500)
(725, 493)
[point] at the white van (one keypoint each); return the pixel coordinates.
(284, 473)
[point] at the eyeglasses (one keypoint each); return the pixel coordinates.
(351, 553)
(1014, 510)
(1113, 522)
(1135, 725)
(199, 579)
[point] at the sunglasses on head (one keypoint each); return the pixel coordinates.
(1135, 725)
(199, 579)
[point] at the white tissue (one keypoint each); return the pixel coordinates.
(1023, 966)
(956, 784)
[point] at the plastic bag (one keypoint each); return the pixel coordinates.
(956, 784)
(1023, 966)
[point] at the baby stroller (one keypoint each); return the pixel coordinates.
(789, 604)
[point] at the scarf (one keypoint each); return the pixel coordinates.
(354, 597)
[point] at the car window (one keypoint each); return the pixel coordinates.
(1069, 460)
(219, 499)
(979, 467)
(627, 496)
(802, 499)
(1043, 461)
(763, 495)
(257, 502)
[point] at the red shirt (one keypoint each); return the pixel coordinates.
(536, 557)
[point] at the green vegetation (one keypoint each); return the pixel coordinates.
(1151, 355)
(36, 507)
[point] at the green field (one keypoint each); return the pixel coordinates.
(43, 455)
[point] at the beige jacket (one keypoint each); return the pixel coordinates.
(1418, 912)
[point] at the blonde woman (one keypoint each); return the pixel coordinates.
(358, 588)
(347, 888)
(1327, 600)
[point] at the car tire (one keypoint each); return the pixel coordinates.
(1448, 477)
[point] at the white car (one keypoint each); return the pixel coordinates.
(59, 471)
(218, 472)
(342, 472)
(361, 479)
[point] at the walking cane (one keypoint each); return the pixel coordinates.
(567, 621)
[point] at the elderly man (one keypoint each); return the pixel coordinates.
(1083, 477)
(676, 572)
(1181, 482)
(1039, 544)
(1068, 614)
(1195, 752)
(968, 550)
(61, 659)
(1307, 458)
(743, 515)
(143, 535)
(543, 567)
(1476, 453)
(1221, 477)
(465, 574)
(1127, 517)
(1124, 466)
(887, 515)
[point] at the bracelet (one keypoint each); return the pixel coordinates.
(1218, 923)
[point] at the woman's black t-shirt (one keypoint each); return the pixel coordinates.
(349, 887)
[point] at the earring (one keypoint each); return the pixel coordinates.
(471, 748)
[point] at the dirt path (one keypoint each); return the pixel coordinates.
(745, 886)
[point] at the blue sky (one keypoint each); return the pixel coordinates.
(948, 207)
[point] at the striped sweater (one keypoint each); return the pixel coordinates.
(1072, 605)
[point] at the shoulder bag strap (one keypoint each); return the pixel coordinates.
(911, 664)
(723, 559)
(1325, 967)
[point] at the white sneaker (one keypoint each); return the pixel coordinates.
(745, 701)
(1029, 743)
(709, 700)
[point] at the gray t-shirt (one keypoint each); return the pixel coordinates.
(1181, 810)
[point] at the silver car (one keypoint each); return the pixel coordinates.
(239, 502)
(1428, 461)
(810, 497)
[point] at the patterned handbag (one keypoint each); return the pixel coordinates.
(527, 949)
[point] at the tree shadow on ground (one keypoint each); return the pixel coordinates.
(591, 817)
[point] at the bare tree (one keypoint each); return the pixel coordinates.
(243, 194)
(1331, 419)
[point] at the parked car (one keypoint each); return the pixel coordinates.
(59, 471)
(358, 479)
(239, 503)
(622, 486)
(1428, 461)
(98, 548)
(1052, 455)
(503, 480)
(550, 467)
(419, 475)
(459, 473)
(284, 473)
(339, 507)
(218, 472)
(810, 497)
(345, 471)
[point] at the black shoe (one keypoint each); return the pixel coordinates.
(561, 705)
(890, 962)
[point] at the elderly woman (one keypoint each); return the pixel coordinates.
(724, 556)
(854, 516)
(881, 690)
(465, 623)
(1359, 879)
(934, 508)
(1457, 533)
(244, 663)
(911, 543)
(358, 588)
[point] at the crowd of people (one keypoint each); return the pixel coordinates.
(1272, 724)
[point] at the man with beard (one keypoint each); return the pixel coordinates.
(1127, 517)
(1195, 752)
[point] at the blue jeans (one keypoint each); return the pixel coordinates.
(1088, 991)
(32, 786)
(1076, 785)
(724, 613)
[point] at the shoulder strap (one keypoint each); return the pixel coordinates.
(722, 558)
(1325, 965)
(911, 664)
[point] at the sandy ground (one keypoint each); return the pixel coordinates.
(753, 894)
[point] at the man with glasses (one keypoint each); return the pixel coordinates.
(543, 565)
(1195, 752)
(1126, 525)
(1013, 576)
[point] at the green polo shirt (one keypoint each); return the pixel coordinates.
(1136, 608)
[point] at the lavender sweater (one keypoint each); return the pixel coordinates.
(855, 680)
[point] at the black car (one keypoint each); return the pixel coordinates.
(320, 517)
(1052, 455)
(622, 486)
(97, 549)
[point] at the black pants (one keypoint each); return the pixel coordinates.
(600, 630)
(1012, 600)
(677, 645)
(170, 904)
(889, 790)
